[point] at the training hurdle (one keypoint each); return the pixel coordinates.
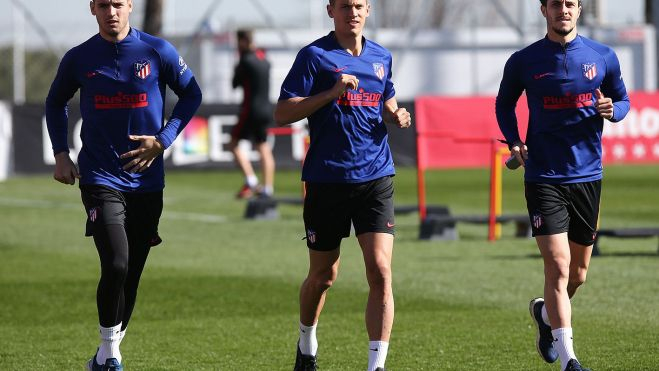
(438, 223)
(522, 221)
(265, 208)
(624, 233)
(459, 132)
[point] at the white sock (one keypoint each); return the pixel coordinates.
(545, 317)
(122, 333)
(377, 354)
(308, 341)
(563, 345)
(252, 181)
(268, 190)
(109, 348)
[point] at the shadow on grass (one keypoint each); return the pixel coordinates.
(517, 257)
(191, 321)
(194, 321)
(622, 254)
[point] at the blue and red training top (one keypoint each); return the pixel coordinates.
(564, 136)
(348, 136)
(122, 92)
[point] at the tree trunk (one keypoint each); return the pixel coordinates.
(153, 17)
(648, 12)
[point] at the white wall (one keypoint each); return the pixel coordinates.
(5, 141)
(454, 63)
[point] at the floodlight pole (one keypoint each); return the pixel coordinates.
(200, 26)
(18, 54)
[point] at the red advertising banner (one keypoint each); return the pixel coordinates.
(458, 132)
(636, 138)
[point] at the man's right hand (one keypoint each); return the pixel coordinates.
(344, 83)
(295, 109)
(65, 170)
(520, 151)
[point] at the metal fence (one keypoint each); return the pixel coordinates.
(32, 40)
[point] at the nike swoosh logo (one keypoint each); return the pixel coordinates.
(340, 69)
(375, 350)
(541, 75)
(390, 225)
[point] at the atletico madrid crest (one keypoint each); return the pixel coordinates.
(537, 221)
(142, 69)
(311, 236)
(589, 70)
(93, 213)
(378, 68)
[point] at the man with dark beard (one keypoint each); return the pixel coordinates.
(572, 84)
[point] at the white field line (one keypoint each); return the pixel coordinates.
(45, 204)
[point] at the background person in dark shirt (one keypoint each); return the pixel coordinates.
(253, 74)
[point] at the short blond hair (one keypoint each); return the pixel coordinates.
(331, 2)
(544, 2)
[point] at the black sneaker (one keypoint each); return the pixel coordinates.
(304, 362)
(574, 365)
(544, 341)
(380, 369)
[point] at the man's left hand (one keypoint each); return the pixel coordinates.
(603, 105)
(143, 156)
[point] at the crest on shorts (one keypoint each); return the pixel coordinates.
(378, 68)
(142, 69)
(589, 70)
(93, 213)
(537, 221)
(311, 236)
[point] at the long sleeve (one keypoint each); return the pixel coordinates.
(237, 75)
(614, 87)
(61, 91)
(188, 102)
(180, 79)
(510, 90)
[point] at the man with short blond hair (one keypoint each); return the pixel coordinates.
(342, 84)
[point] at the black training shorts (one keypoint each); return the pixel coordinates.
(329, 208)
(252, 126)
(571, 208)
(139, 213)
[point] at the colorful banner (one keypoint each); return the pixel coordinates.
(458, 132)
(636, 138)
(204, 144)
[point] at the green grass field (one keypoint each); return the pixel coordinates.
(221, 292)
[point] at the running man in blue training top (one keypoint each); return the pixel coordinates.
(122, 75)
(342, 84)
(572, 83)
